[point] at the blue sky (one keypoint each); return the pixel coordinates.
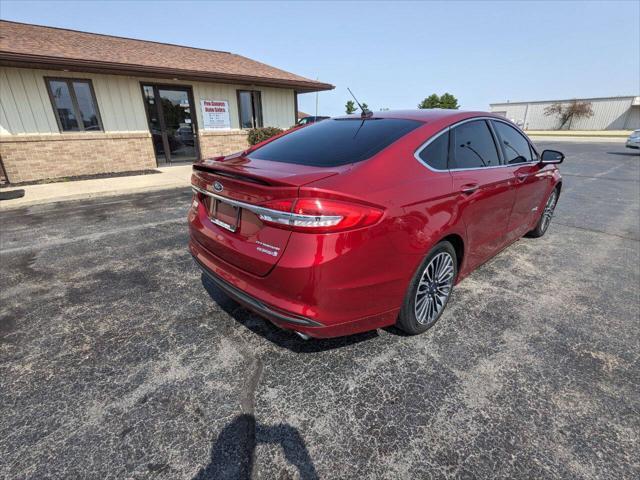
(393, 54)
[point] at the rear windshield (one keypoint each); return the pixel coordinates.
(335, 141)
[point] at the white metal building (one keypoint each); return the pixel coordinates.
(609, 113)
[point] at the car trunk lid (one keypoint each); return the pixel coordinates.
(227, 188)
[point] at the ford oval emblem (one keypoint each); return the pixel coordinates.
(217, 186)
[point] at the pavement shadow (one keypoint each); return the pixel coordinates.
(278, 336)
(626, 154)
(233, 453)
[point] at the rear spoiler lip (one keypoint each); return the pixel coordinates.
(219, 168)
(231, 174)
(246, 174)
(305, 188)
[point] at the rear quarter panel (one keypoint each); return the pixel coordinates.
(420, 208)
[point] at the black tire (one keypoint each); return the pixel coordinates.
(407, 319)
(545, 217)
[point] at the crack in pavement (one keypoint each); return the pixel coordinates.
(615, 179)
(248, 404)
(89, 237)
(555, 222)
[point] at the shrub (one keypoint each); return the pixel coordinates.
(257, 135)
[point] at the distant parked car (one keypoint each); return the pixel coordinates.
(186, 135)
(310, 119)
(634, 140)
(156, 136)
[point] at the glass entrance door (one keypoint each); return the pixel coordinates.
(171, 121)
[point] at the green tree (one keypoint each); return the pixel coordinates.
(449, 101)
(365, 106)
(445, 101)
(350, 107)
(432, 101)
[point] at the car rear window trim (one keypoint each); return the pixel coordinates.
(339, 143)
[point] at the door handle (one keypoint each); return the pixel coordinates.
(522, 177)
(469, 188)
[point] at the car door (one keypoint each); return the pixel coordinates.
(485, 189)
(529, 179)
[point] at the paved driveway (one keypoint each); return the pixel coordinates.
(115, 362)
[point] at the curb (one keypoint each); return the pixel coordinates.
(564, 138)
(4, 206)
(578, 133)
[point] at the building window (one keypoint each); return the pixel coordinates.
(74, 104)
(250, 107)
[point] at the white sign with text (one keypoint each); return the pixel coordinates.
(215, 115)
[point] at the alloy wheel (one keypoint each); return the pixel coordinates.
(547, 214)
(434, 288)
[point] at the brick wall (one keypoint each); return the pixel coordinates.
(37, 157)
(224, 142)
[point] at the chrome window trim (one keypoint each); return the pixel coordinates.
(417, 153)
(496, 142)
(277, 215)
(451, 127)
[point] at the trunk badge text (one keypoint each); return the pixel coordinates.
(217, 186)
(269, 250)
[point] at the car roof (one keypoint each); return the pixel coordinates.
(428, 114)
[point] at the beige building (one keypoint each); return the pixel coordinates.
(75, 103)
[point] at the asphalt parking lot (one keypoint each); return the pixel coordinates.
(116, 362)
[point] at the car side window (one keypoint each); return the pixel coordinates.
(437, 152)
(473, 146)
(515, 147)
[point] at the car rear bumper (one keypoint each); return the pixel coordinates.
(633, 142)
(259, 295)
(253, 303)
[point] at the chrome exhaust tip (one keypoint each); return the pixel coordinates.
(303, 336)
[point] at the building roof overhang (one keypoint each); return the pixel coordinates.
(11, 59)
(36, 46)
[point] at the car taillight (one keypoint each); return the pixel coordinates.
(318, 215)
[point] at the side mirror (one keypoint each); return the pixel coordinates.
(551, 157)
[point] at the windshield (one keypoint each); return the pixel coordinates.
(335, 142)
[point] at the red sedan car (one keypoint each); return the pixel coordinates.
(351, 224)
